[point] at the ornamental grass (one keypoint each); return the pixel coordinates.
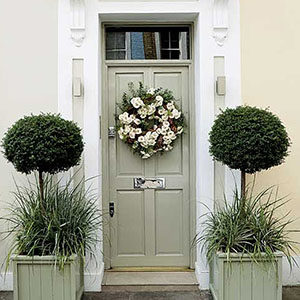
(251, 225)
(68, 225)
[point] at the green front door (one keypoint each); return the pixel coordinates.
(150, 227)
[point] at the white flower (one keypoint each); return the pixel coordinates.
(155, 134)
(158, 130)
(127, 129)
(132, 134)
(170, 105)
(123, 116)
(137, 102)
(161, 111)
(146, 156)
(135, 145)
(163, 132)
(168, 148)
(121, 133)
(165, 117)
(167, 140)
(166, 124)
(151, 109)
(171, 135)
(151, 91)
(137, 121)
(143, 112)
(151, 142)
(165, 128)
(141, 139)
(175, 114)
(126, 118)
(138, 131)
(159, 101)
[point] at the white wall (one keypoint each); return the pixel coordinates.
(30, 80)
(28, 73)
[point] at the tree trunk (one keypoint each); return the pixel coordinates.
(243, 183)
(41, 184)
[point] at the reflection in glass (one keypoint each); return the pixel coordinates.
(147, 43)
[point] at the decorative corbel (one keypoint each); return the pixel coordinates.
(77, 25)
(220, 21)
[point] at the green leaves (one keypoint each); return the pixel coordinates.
(249, 139)
(44, 142)
(251, 225)
(68, 226)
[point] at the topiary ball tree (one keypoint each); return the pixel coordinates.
(43, 143)
(249, 139)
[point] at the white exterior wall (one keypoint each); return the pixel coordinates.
(28, 79)
(31, 58)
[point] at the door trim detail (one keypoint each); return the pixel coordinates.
(104, 144)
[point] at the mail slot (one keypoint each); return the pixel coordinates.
(149, 183)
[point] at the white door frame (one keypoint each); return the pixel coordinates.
(79, 37)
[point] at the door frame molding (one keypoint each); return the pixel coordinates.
(104, 125)
(212, 22)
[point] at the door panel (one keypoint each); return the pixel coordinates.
(150, 227)
(130, 231)
(168, 215)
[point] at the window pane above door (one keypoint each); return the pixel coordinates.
(139, 43)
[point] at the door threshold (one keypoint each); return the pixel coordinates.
(149, 278)
(150, 269)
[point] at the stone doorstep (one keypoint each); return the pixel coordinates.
(150, 288)
(149, 278)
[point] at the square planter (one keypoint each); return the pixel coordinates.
(242, 279)
(37, 278)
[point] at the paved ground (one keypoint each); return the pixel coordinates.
(291, 293)
(149, 293)
(162, 293)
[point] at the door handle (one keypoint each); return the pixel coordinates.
(111, 209)
(111, 132)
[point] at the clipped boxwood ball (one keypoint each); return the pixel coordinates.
(45, 143)
(249, 139)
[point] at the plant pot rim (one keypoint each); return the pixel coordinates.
(245, 255)
(51, 258)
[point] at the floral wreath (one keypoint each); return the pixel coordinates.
(150, 121)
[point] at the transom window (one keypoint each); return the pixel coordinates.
(133, 43)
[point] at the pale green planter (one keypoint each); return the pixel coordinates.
(37, 278)
(242, 279)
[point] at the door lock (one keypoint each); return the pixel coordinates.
(111, 209)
